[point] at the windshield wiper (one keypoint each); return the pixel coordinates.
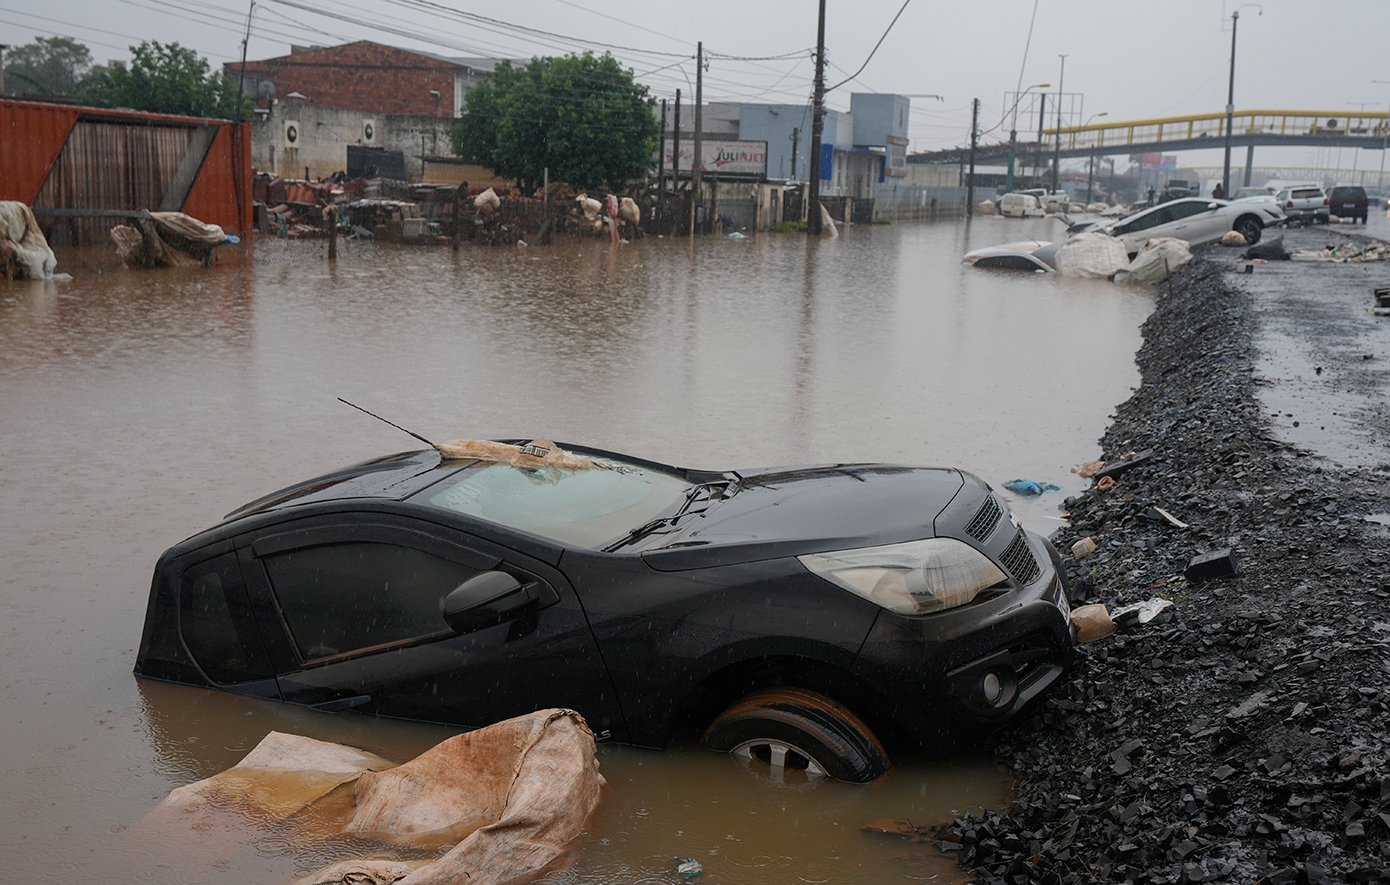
(725, 487)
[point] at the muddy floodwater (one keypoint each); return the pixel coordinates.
(139, 407)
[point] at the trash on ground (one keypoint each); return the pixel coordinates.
(1092, 256)
(827, 224)
(1140, 613)
(1097, 207)
(1091, 622)
(1382, 296)
(1158, 514)
(1030, 487)
(1160, 258)
(1266, 250)
(1083, 548)
(1376, 251)
(24, 252)
(1105, 483)
(1221, 563)
(905, 828)
(1090, 469)
(1233, 238)
(688, 867)
(1030, 255)
(492, 805)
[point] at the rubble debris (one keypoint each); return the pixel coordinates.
(1160, 258)
(535, 454)
(1211, 566)
(1083, 548)
(175, 240)
(1266, 250)
(1140, 613)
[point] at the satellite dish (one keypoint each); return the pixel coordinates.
(265, 89)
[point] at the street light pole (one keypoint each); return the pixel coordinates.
(1057, 142)
(1091, 176)
(1231, 96)
(813, 220)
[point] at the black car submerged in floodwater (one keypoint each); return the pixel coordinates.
(793, 614)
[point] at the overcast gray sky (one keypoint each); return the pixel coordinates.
(1130, 58)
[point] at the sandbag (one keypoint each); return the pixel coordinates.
(1097, 207)
(827, 230)
(176, 224)
(1092, 255)
(487, 807)
(24, 252)
(1160, 258)
(986, 207)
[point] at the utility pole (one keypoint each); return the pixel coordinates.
(1057, 146)
(813, 224)
(796, 135)
(974, 139)
(1037, 155)
(697, 162)
(676, 161)
(661, 154)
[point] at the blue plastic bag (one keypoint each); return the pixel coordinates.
(1029, 487)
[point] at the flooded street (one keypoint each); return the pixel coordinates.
(139, 407)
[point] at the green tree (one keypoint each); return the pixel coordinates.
(581, 116)
(49, 66)
(166, 79)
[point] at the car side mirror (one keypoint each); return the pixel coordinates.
(487, 599)
(1213, 205)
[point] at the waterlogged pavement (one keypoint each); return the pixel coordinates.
(141, 406)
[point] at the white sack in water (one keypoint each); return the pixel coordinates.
(490, 806)
(1092, 256)
(24, 253)
(827, 224)
(1160, 258)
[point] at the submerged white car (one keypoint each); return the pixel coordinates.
(1195, 219)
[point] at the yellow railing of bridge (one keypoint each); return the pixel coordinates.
(1200, 126)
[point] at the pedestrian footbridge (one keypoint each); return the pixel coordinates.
(1196, 132)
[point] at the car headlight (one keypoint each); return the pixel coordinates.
(914, 578)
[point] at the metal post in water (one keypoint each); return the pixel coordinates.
(697, 162)
(974, 140)
(330, 215)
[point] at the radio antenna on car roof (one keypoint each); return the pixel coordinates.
(392, 423)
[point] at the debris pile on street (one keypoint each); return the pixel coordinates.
(1238, 734)
(1344, 252)
(24, 251)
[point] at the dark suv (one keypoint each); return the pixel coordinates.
(1348, 201)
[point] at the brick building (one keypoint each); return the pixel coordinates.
(314, 102)
(366, 76)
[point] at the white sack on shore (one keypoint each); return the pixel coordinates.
(1160, 258)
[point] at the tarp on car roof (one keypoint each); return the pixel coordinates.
(494, 805)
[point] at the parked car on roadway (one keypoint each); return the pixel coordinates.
(1304, 203)
(1349, 201)
(1253, 193)
(795, 615)
(1196, 220)
(1020, 206)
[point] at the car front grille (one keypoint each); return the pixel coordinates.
(1018, 560)
(985, 519)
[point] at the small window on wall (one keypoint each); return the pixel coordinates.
(341, 598)
(216, 623)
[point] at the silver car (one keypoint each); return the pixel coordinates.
(1196, 220)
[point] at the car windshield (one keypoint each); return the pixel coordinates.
(582, 507)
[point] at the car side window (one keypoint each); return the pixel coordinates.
(1187, 210)
(217, 625)
(346, 597)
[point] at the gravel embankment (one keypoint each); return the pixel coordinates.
(1241, 735)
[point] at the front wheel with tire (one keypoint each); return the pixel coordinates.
(1250, 228)
(791, 729)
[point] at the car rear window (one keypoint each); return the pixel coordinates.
(582, 507)
(1306, 193)
(1348, 193)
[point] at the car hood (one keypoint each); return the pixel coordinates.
(791, 511)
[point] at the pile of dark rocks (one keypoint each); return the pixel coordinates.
(1239, 735)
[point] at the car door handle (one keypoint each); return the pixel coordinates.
(337, 705)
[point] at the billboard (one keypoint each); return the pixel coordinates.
(726, 159)
(1160, 162)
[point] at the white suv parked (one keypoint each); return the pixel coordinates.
(1305, 202)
